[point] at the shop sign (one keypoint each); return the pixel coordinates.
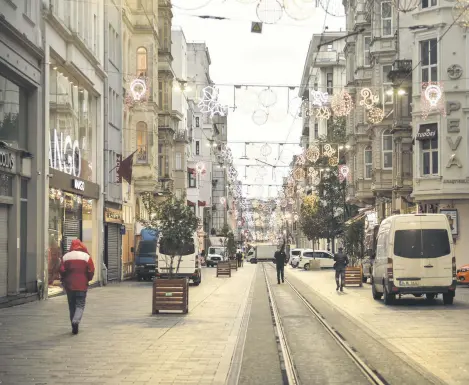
(78, 184)
(112, 215)
(452, 215)
(7, 160)
(64, 154)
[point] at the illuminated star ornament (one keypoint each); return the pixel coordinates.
(432, 98)
(210, 104)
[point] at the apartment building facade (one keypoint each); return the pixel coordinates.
(24, 164)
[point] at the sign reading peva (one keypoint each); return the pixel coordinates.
(64, 155)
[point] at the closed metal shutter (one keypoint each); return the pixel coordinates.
(113, 252)
(3, 250)
(71, 231)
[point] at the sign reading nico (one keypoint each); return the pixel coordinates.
(64, 154)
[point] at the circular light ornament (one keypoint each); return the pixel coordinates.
(406, 6)
(299, 9)
(461, 13)
(138, 89)
(269, 11)
(194, 4)
(342, 103)
(294, 106)
(267, 98)
(265, 150)
(375, 115)
(433, 94)
(333, 7)
(260, 117)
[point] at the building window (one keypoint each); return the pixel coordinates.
(368, 162)
(429, 60)
(329, 83)
(197, 147)
(27, 9)
(386, 18)
(429, 3)
(142, 62)
(197, 121)
(316, 130)
(429, 150)
(192, 180)
(178, 162)
(142, 142)
(329, 48)
(387, 150)
(178, 193)
(387, 85)
(366, 51)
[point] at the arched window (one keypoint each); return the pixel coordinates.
(142, 61)
(387, 150)
(142, 142)
(368, 162)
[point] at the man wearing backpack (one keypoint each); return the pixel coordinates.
(341, 262)
(280, 261)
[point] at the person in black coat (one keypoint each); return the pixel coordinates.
(280, 261)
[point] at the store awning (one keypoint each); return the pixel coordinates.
(190, 203)
(427, 132)
(202, 203)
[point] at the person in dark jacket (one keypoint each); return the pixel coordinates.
(280, 261)
(239, 257)
(76, 270)
(341, 262)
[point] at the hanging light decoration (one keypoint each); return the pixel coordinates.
(461, 13)
(266, 150)
(432, 98)
(333, 161)
(200, 167)
(260, 117)
(368, 99)
(312, 154)
(267, 98)
(299, 173)
(318, 98)
(328, 150)
(342, 103)
(300, 160)
(406, 6)
(323, 113)
(375, 115)
(269, 11)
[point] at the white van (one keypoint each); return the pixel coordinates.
(414, 255)
(324, 257)
(216, 254)
(187, 265)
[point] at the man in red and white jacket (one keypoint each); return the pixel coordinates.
(76, 270)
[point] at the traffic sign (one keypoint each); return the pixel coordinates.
(256, 27)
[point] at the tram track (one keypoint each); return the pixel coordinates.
(290, 370)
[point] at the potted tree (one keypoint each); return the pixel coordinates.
(176, 224)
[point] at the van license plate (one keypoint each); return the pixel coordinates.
(409, 283)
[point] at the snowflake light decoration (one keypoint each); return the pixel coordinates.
(432, 99)
(210, 104)
(333, 161)
(328, 150)
(342, 104)
(319, 99)
(368, 99)
(300, 160)
(312, 154)
(375, 115)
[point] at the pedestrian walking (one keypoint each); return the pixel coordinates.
(76, 270)
(239, 257)
(280, 261)
(341, 262)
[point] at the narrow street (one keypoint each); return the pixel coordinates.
(229, 336)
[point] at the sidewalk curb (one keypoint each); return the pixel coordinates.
(237, 358)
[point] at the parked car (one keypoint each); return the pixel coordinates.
(367, 266)
(463, 274)
(326, 259)
(295, 257)
(414, 255)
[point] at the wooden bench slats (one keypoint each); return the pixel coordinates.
(353, 276)
(178, 298)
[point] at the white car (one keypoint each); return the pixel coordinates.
(295, 255)
(326, 259)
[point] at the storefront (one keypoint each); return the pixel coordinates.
(113, 228)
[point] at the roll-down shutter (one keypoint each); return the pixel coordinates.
(71, 231)
(113, 255)
(3, 250)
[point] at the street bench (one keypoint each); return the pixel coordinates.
(353, 276)
(223, 269)
(170, 294)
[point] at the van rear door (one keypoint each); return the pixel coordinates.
(187, 260)
(422, 254)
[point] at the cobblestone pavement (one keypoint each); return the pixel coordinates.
(428, 333)
(120, 342)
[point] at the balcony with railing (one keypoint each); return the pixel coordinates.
(328, 58)
(141, 156)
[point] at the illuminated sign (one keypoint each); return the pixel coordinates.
(64, 154)
(78, 184)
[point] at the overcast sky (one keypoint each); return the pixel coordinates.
(275, 57)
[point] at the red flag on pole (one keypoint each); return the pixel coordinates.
(124, 168)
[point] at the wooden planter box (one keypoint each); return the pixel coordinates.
(170, 294)
(353, 276)
(234, 264)
(223, 269)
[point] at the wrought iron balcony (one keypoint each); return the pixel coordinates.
(400, 68)
(142, 154)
